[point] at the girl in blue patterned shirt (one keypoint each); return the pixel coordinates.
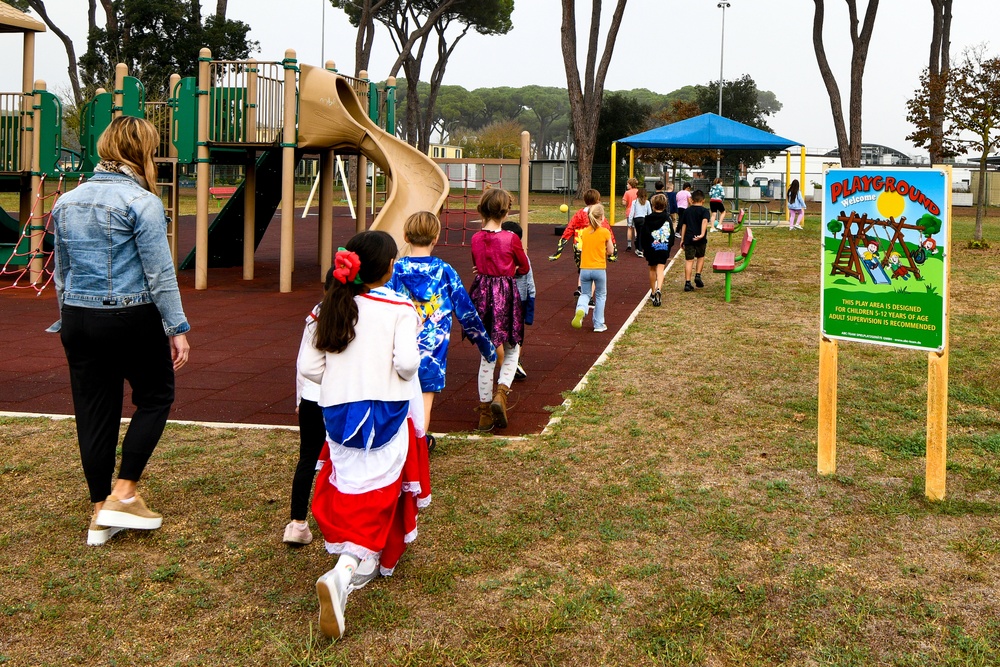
(437, 292)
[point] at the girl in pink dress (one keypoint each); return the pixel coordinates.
(497, 256)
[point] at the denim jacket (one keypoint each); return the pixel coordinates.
(111, 250)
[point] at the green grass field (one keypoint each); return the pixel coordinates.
(673, 516)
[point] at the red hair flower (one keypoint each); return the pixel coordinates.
(346, 266)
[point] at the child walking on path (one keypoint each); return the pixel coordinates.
(657, 239)
(437, 292)
(525, 290)
(375, 475)
(717, 204)
(796, 206)
(312, 437)
(694, 230)
(596, 246)
(637, 217)
(628, 198)
(579, 221)
(497, 256)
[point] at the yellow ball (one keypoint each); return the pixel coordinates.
(563, 208)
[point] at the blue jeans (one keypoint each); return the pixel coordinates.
(589, 277)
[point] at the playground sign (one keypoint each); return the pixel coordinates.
(885, 256)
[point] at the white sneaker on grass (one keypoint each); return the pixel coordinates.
(331, 588)
(98, 534)
(366, 571)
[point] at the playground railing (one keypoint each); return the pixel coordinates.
(234, 82)
(158, 113)
(11, 105)
(361, 89)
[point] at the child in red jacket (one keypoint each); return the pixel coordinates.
(579, 222)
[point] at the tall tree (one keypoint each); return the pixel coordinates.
(547, 105)
(220, 8)
(848, 140)
(937, 76)
(744, 103)
(585, 96)
(621, 115)
(362, 14)
(156, 39)
(72, 70)
(970, 114)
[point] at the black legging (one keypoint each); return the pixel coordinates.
(106, 348)
(312, 435)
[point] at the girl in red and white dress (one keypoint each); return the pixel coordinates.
(374, 474)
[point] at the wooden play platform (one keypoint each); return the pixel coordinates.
(245, 336)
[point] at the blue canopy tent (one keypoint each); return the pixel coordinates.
(707, 131)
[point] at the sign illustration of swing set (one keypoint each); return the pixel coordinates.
(885, 266)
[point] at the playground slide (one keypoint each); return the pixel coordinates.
(878, 274)
(330, 116)
(225, 235)
(10, 229)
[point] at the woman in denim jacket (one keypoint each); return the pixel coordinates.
(120, 319)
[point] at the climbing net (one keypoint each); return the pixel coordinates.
(467, 181)
(29, 260)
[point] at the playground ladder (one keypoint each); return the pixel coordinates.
(170, 196)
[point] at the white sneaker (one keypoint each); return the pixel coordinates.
(98, 534)
(366, 571)
(600, 329)
(331, 588)
(297, 533)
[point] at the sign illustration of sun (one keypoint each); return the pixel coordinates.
(891, 204)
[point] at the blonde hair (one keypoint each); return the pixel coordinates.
(658, 202)
(595, 214)
(132, 142)
(422, 229)
(495, 204)
(716, 181)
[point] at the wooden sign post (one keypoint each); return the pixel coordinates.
(886, 264)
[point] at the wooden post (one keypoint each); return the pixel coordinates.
(826, 456)
(937, 383)
(36, 227)
(288, 138)
(525, 172)
(611, 201)
(327, 167)
(250, 182)
(121, 71)
(202, 173)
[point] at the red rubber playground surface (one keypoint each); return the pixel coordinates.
(245, 337)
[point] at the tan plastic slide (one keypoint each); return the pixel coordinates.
(331, 116)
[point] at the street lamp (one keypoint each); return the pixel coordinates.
(722, 52)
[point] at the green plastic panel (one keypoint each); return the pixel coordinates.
(94, 119)
(133, 97)
(185, 126)
(50, 139)
(228, 113)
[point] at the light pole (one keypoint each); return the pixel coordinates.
(322, 35)
(722, 52)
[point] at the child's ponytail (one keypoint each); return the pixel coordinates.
(595, 215)
(365, 260)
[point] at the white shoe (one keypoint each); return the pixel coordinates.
(366, 571)
(297, 534)
(331, 588)
(98, 534)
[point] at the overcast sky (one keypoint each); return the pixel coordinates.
(663, 45)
